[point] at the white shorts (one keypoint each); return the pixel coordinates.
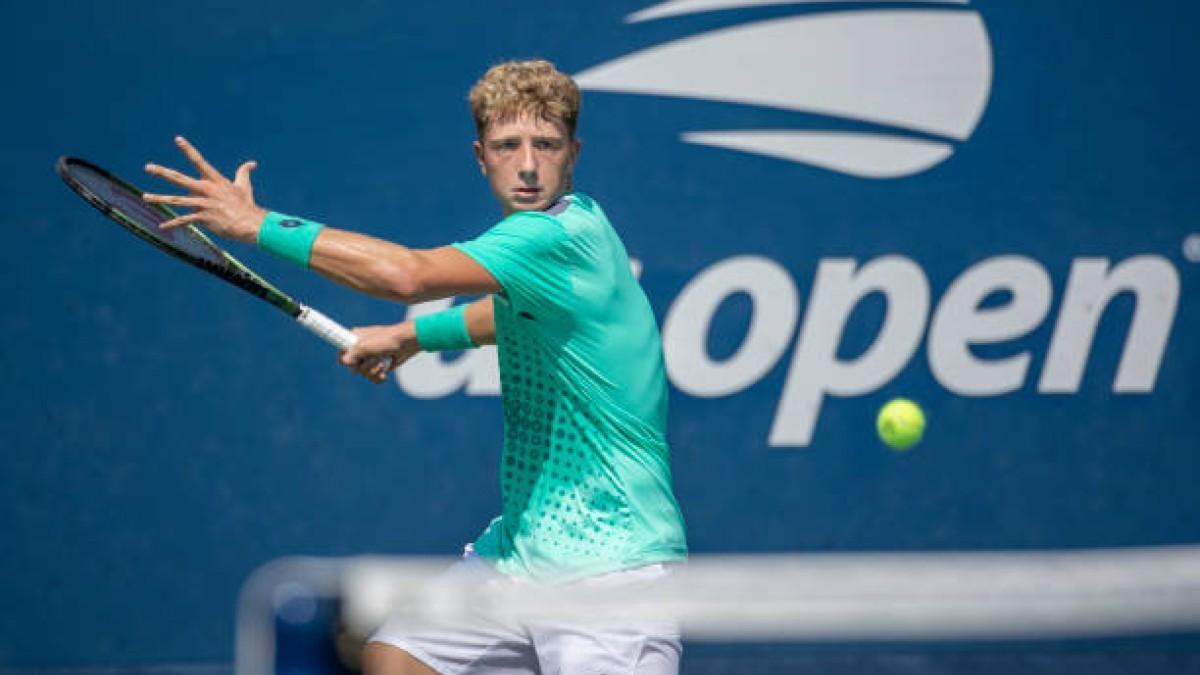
(547, 648)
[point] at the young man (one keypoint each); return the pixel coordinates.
(586, 480)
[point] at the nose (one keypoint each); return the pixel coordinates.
(527, 168)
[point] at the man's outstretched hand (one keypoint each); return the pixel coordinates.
(225, 207)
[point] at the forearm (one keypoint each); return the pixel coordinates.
(380, 349)
(364, 263)
(375, 266)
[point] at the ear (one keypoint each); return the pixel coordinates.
(478, 148)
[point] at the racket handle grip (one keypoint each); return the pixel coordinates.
(326, 328)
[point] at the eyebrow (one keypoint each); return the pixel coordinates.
(517, 137)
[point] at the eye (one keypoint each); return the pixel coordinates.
(547, 144)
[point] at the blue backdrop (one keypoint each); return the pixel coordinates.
(984, 205)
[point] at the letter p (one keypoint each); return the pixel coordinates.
(816, 369)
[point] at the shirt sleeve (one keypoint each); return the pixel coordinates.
(529, 255)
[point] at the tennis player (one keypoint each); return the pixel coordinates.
(585, 480)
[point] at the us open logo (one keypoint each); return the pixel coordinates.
(910, 83)
(917, 79)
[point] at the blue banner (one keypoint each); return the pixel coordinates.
(987, 208)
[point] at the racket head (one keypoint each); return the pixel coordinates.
(122, 202)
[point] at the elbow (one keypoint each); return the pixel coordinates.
(403, 282)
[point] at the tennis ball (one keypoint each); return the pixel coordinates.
(900, 423)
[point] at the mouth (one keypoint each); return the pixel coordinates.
(527, 192)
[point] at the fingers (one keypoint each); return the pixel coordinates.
(186, 182)
(181, 220)
(242, 177)
(375, 369)
(378, 370)
(357, 361)
(198, 160)
(373, 356)
(178, 200)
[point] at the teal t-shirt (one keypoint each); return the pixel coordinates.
(585, 475)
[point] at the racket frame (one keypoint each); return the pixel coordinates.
(231, 270)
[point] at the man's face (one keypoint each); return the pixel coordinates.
(528, 162)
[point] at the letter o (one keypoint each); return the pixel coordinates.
(773, 318)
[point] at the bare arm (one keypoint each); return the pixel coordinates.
(395, 272)
(380, 349)
(364, 263)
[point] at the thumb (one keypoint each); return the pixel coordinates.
(242, 177)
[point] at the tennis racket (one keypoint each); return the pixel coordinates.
(122, 202)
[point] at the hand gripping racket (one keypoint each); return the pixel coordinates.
(122, 202)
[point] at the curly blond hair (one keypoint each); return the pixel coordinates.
(533, 87)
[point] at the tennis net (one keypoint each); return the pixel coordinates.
(795, 598)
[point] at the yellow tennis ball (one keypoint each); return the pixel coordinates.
(900, 423)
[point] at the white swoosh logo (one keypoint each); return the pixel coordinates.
(857, 154)
(924, 70)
